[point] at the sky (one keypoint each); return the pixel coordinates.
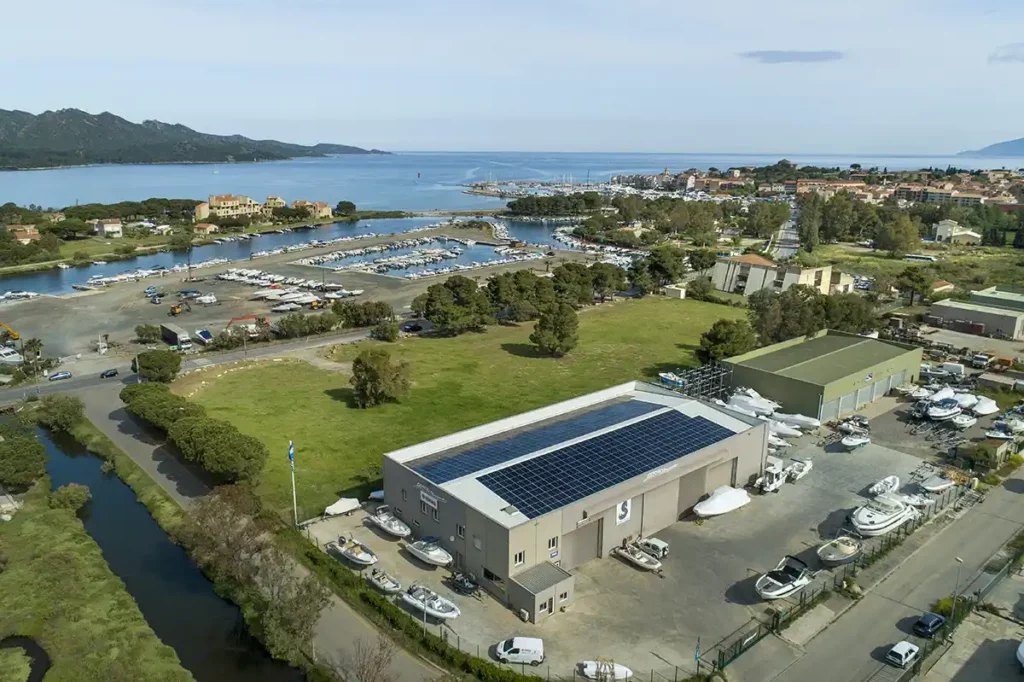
(745, 76)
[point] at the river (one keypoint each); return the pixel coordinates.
(206, 631)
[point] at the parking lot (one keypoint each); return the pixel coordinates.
(706, 588)
(930, 441)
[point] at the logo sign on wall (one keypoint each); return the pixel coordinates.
(623, 512)
(428, 499)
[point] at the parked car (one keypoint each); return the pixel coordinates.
(57, 376)
(928, 624)
(655, 547)
(106, 374)
(903, 654)
(412, 327)
(521, 650)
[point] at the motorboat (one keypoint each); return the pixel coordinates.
(353, 550)
(854, 441)
(430, 602)
(888, 484)
(798, 420)
(429, 551)
(344, 505)
(920, 393)
(944, 393)
(636, 556)
(722, 501)
(383, 518)
(998, 434)
(777, 442)
(985, 406)
(843, 550)
(789, 577)
(917, 500)
(938, 483)
(943, 410)
(751, 404)
(1010, 424)
(799, 468)
(754, 395)
(966, 400)
(1020, 654)
(463, 583)
(906, 389)
(603, 671)
(670, 379)
(783, 429)
(385, 582)
(963, 421)
(854, 425)
(881, 515)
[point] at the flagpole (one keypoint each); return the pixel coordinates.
(295, 503)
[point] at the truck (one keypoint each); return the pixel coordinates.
(982, 360)
(175, 336)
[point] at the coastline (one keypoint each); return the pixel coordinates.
(365, 152)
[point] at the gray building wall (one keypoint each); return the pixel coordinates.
(1006, 321)
(557, 596)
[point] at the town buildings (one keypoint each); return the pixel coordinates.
(318, 210)
(25, 234)
(952, 232)
(239, 206)
(750, 272)
(110, 228)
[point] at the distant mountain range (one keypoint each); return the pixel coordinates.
(71, 137)
(1011, 148)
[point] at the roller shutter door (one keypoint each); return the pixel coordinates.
(863, 396)
(829, 411)
(847, 404)
(881, 388)
(720, 474)
(691, 489)
(581, 544)
(660, 508)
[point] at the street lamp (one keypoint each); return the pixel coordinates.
(956, 590)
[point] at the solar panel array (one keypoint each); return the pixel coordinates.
(491, 454)
(542, 484)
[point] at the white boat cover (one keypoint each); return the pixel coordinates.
(343, 506)
(985, 406)
(855, 440)
(751, 393)
(966, 400)
(798, 420)
(377, 496)
(605, 671)
(777, 442)
(782, 429)
(886, 485)
(723, 500)
(943, 393)
(752, 404)
(1020, 653)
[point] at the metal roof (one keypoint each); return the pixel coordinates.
(825, 359)
(976, 307)
(540, 577)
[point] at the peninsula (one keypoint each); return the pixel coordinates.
(71, 137)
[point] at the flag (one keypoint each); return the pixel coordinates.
(696, 654)
(291, 454)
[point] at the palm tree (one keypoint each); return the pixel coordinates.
(33, 346)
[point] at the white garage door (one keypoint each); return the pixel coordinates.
(847, 404)
(660, 508)
(829, 411)
(881, 388)
(721, 474)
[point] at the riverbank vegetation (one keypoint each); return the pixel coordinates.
(457, 382)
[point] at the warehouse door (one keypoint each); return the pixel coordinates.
(720, 474)
(829, 411)
(581, 545)
(863, 396)
(881, 388)
(691, 489)
(847, 404)
(660, 508)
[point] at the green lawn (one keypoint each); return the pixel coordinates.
(975, 269)
(95, 246)
(457, 383)
(58, 589)
(14, 665)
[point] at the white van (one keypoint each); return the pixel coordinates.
(655, 547)
(521, 650)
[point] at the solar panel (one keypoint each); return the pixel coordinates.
(539, 485)
(490, 454)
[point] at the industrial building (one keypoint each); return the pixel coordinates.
(828, 375)
(521, 501)
(996, 311)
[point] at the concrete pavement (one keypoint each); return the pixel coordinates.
(852, 648)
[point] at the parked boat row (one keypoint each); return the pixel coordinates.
(512, 257)
(155, 271)
(273, 284)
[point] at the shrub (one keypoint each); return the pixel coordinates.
(22, 458)
(944, 607)
(60, 413)
(386, 330)
(72, 496)
(218, 447)
(157, 365)
(376, 379)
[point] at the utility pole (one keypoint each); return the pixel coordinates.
(956, 592)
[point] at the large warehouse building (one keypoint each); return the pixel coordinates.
(992, 311)
(828, 375)
(521, 501)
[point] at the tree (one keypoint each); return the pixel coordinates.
(181, 241)
(606, 279)
(72, 497)
(520, 296)
(376, 379)
(386, 330)
(808, 222)
(574, 284)
(153, 402)
(913, 281)
(49, 243)
(293, 605)
(701, 289)
(702, 260)
(22, 458)
(60, 413)
(837, 217)
(556, 331)
(157, 365)
(147, 333)
(222, 533)
(455, 306)
(640, 276)
(725, 339)
(667, 264)
(797, 311)
(370, 663)
(849, 313)
(345, 208)
(218, 447)
(899, 237)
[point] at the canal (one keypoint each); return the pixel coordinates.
(176, 599)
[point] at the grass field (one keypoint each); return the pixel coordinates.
(58, 589)
(457, 383)
(14, 665)
(972, 269)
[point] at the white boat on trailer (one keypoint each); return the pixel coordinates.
(429, 550)
(632, 553)
(430, 602)
(963, 421)
(789, 577)
(383, 518)
(855, 441)
(353, 550)
(603, 671)
(882, 515)
(385, 582)
(889, 484)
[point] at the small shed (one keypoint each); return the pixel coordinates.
(677, 290)
(535, 593)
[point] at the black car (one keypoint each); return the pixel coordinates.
(412, 327)
(106, 374)
(928, 624)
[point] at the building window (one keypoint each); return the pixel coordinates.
(520, 558)
(416, 522)
(553, 543)
(423, 507)
(436, 518)
(404, 496)
(398, 512)
(476, 542)
(460, 530)
(563, 597)
(584, 513)
(490, 576)
(543, 608)
(817, 278)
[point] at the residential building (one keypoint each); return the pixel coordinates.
(201, 211)
(827, 375)
(275, 202)
(203, 229)
(161, 229)
(941, 286)
(750, 272)
(952, 232)
(318, 210)
(111, 228)
(521, 502)
(232, 206)
(25, 234)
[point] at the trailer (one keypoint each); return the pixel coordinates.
(175, 336)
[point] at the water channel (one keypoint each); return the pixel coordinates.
(207, 632)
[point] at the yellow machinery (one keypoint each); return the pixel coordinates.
(13, 334)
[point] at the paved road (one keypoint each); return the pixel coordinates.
(851, 649)
(787, 240)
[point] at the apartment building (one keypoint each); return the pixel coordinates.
(232, 206)
(275, 202)
(111, 228)
(318, 210)
(25, 234)
(749, 273)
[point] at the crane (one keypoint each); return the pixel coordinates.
(14, 335)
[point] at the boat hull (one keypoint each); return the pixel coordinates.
(831, 558)
(433, 613)
(394, 532)
(433, 560)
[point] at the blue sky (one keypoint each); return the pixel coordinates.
(803, 76)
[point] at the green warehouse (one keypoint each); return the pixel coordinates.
(827, 375)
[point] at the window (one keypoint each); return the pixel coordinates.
(817, 278)
(404, 496)
(543, 608)
(520, 558)
(476, 542)
(563, 597)
(460, 530)
(398, 512)
(490, 576)
(584, 513)
(423, 507)
(553, 543)
(436, 519)
(416, 522)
